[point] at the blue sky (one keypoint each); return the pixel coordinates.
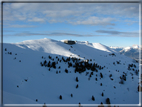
(111, 24)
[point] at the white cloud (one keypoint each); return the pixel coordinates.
(18, 5)
(130, 22)
(36, 19)
(96, 21)
(75, 13)
(21, 26)
(56, 13)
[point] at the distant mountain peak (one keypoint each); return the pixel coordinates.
(135, 46)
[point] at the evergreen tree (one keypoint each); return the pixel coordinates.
(93, 98)
(45, 62)
(60, 97)
(76, 79)
(77, 86)
(102, 94)
(101, 75)
(66, 70)
(107, 101)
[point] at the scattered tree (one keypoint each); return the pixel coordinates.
(93, 98)
(53, 65)
(110, 75)
(60, 97)
(76, 79)
(71, 95)
(77, 86)
(41, 64)
(102, 94)
(107, 101)
(26, 80)
(49, 57)
(45, 62)
(101, 75)
(66, 70)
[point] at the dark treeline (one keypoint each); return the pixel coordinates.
(79, 65)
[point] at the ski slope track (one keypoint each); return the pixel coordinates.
(52, 72)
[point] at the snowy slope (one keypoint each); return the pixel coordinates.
(25, 81)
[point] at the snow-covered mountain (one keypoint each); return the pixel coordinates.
(52, 72)
(117, 49)
(131, 51)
